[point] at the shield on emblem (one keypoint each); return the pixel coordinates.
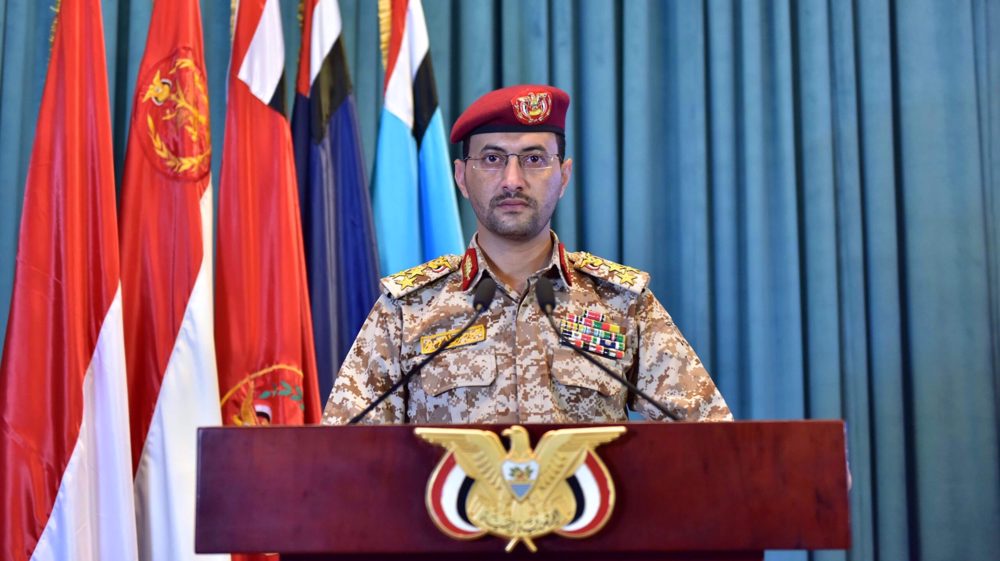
(520, 476)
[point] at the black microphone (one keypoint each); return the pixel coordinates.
(547, 301)
(480, 303)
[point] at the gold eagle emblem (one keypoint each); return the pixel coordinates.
(533, 108)
(520, 494)
(174, 108)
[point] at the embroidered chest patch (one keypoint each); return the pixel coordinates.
(591, 332)
(430, 343)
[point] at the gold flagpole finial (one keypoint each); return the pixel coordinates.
(234, 6)
(384, 29)
(55, 21)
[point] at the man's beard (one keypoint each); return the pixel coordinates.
(521, 227)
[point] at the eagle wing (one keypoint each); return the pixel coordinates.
(560, 453)
(478, 452)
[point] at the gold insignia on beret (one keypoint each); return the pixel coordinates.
(533, 108)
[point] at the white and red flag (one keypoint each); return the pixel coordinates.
(263, 330)
(65, 464)
(166, 218)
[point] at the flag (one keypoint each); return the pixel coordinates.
(166, 218)
(416, 210)
(341, 256)
(65, 465)
(263, 330)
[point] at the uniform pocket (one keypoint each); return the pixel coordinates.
(570, 369)
(461, 367)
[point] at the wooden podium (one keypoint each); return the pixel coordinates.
(685, 491)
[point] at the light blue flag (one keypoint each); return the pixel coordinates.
(414, 201)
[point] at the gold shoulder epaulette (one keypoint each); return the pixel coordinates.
(405, 282)
(631, 279)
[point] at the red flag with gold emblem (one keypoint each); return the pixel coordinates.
(65, 470)
(264, 340)
(166, 217)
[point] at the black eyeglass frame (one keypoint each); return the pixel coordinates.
(520, 159)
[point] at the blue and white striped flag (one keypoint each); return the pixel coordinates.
(416, 209)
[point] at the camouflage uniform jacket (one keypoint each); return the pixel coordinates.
(511, 366)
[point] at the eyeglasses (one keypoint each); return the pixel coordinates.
(497, 161)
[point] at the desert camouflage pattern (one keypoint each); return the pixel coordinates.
(520, 373)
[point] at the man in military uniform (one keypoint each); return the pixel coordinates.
(511, 366)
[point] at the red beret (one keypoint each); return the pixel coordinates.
(524, 108)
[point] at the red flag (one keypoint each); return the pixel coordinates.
(267, 363)
(167, 278)
(65, 474)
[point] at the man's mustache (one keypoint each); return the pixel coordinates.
(499, 199)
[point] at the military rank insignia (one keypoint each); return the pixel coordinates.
(520, 494)
(592, 332)
(418, 275)
(610, 270)
(533, 108)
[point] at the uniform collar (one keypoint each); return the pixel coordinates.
(474, 264)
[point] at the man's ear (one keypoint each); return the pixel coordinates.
(567, 171)
(460, 177)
